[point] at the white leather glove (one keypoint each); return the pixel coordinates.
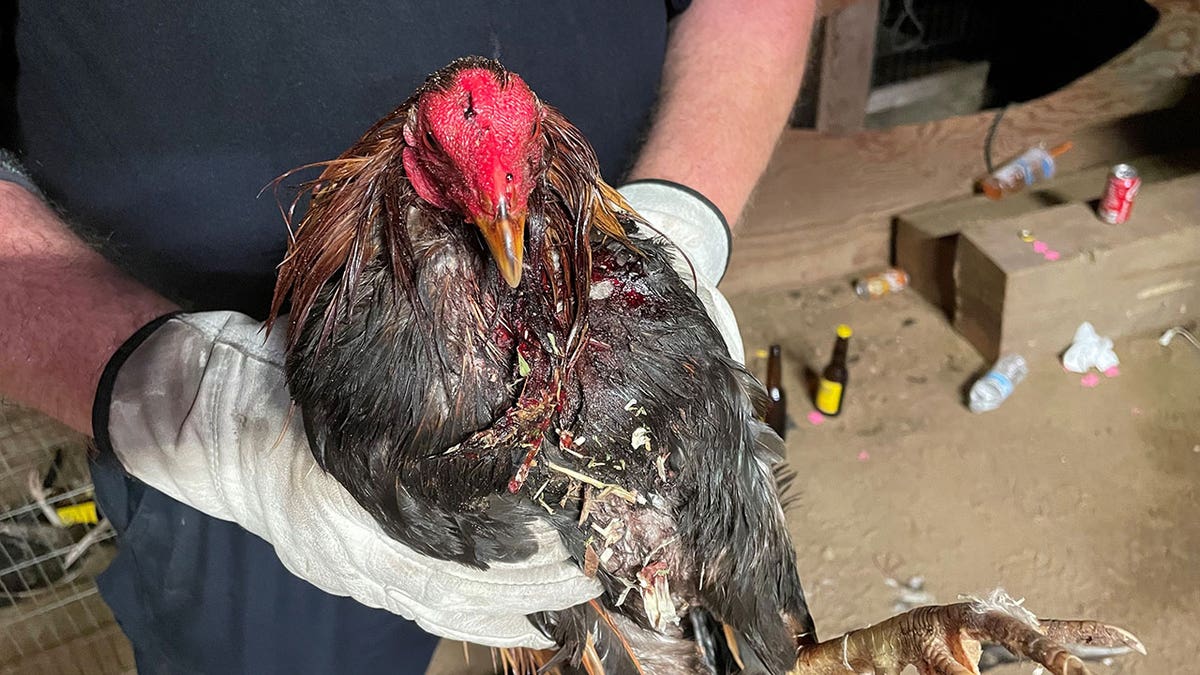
(699, 232)
(200, 411)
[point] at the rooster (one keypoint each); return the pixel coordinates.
(480, 335)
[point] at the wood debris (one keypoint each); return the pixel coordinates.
(627, 495)
(640, 438)
(660, 463)
(585, 509)
(612, 533)
(629, 586)
(591, 561)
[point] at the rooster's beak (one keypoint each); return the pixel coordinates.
(505, 236)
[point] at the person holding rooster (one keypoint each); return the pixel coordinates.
(154, 129)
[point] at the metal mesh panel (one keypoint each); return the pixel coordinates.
(919, 37)
(52, 620)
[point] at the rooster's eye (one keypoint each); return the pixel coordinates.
(430, 140)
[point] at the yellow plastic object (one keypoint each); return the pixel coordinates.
(78, 514)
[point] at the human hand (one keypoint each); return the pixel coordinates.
(198, 408)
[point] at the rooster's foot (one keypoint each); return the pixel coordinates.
(945, 640)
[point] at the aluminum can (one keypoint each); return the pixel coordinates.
(877, 285)
(1119, 193)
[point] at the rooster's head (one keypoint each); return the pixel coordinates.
(473, 146)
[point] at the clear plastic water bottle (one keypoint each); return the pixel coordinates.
(989, 391)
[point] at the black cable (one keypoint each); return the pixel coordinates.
(987, 141)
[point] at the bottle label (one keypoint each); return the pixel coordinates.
(1021, 169)
(1005, 384)
(829, 397)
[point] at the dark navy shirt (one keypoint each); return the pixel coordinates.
(156, 124)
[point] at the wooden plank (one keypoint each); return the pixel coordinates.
(103, 652)
(981, 287)
(926, 237)
(847, 57)
(825, 205)
(1138, 277)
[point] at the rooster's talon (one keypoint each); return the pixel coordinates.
(1092, 639)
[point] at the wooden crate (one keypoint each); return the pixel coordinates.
(1139, 277)
(927, 237)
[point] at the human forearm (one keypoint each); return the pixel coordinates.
(731, 76)
(64, 310)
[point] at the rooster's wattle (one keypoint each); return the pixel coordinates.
(478, 338)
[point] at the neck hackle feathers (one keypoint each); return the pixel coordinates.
(471, 134)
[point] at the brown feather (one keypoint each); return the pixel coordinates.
(359, 205)
(731, 641)
(592, 663)
(616, 631)
(573, 178)
(525, 661)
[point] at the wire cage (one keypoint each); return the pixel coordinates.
(919, 37)
(52, 545)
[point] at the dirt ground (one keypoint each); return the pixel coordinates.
(1081, 500)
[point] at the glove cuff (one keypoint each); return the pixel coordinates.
(688, 219)
(104, 390)
(13, 171)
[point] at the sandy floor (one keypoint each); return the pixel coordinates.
(1082, 500)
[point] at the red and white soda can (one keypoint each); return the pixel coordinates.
(1122, 188)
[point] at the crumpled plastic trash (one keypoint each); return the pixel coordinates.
(1089, 350)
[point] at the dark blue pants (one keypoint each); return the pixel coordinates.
(200, 595)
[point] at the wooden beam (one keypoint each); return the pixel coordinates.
(1138, 277)
(846, 61)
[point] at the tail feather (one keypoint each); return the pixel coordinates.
(596, 644)
(757, 591)
(601, 642)
(721, 648)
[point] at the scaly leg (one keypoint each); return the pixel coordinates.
(944, 640)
